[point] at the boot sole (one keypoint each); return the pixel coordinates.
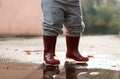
(50, 64)
(74, 61)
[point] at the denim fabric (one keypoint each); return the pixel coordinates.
(62, 12)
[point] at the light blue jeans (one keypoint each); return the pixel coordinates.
(57, 13)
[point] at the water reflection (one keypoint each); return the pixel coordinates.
(70, 71)
(50, 72)
(73, 70)
(78, 71)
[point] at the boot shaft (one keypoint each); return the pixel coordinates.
(72, 43)
(72, 50)
(49, 50)
(49, 44)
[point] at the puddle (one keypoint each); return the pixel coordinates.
(68, 71)
(78, 71)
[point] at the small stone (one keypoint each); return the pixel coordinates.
(92, 46)
(37, 53)
(27, 52)
(7, 67)
(113, 65)
(16, 49)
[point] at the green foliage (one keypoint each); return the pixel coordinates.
(101, 16)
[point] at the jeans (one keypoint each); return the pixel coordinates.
(57, 13)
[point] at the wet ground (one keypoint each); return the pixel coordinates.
(69, 71)
(22, 58)
(78, 71)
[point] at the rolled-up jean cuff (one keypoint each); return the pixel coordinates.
(74, 34)
(49, 33)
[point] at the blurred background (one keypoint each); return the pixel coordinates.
(24, 17)
(101, 16)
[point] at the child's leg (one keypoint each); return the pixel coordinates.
(74, 19)
(52, 25)
(53, 17)
(75, 26)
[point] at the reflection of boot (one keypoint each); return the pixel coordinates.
(72, 50)
(73, 70)
(49, 72)
(49, 50)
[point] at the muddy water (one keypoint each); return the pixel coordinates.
(78, 71)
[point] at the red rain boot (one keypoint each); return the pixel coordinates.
(73, 52)
(49, 51)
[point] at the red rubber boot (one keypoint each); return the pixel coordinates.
(73, 54)
(49, 51)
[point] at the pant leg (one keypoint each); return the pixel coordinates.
(74, 19)
(53, 17)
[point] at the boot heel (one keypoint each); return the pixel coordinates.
(74, 61)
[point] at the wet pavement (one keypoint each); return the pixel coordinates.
(22, 58)
(78, 71)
